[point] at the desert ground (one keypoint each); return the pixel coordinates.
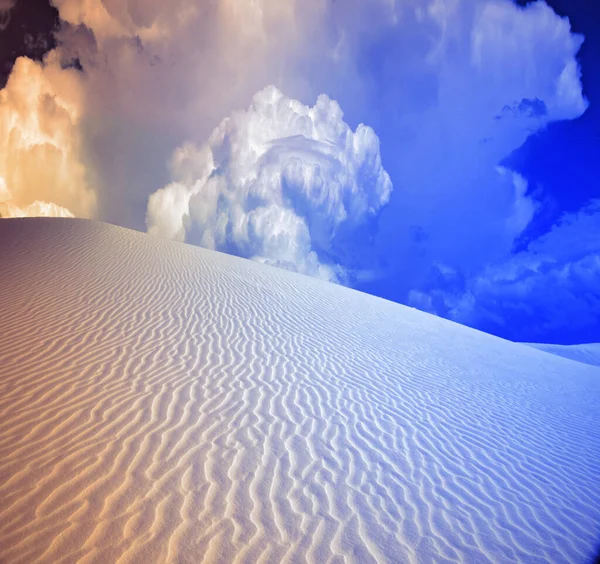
(164, 403)
(588, 353)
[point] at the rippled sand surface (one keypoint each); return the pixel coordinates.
(163, 403)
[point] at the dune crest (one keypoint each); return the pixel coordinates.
(587, 353)
(163, 403)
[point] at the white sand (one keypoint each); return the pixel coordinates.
(588, 353)
(163, 403)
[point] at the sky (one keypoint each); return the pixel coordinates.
(443, 154)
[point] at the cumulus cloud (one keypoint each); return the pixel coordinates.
(155, 74)
(548, 291)
(275, 183)
(524, 62)
(159, 73)
(41, 167)
(490, 75)
(451, 87)
(8, 208)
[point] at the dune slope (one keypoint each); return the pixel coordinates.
(588, 353)
(163, 403)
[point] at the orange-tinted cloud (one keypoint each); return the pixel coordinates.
(41, 165)
(8, 208)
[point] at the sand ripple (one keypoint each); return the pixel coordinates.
(161, 403)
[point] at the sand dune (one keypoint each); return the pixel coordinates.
(163, 403)
(588, 353)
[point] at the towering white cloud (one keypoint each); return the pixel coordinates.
(41, 163)
(275, 183)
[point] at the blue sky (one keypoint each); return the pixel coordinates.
(439, 153)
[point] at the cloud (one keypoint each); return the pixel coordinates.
(430, 76)
(493, 74)
(276, 183)
(550, 291)
(41, 167)
(157, 74)
(36, 209)
(6, 7)
(523, 63)
(452, 87)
